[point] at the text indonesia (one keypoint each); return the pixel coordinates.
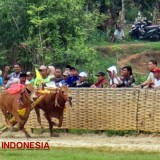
(25, 145)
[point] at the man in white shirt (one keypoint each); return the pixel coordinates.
(152, 64)
(118, 34)
(14, 76)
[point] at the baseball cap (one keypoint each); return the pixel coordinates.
(157, 70)
(42, 67)
(100, 74)
(83, 74)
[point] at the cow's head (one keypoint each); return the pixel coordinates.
(29, 88)
(64, 91)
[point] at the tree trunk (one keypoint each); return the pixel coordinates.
(123, 13)
(155, 12)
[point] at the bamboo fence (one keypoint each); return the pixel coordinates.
(108, 109)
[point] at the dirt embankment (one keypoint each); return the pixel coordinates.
(140, 61)
(136, 55)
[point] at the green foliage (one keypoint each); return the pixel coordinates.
(50, 32)
(59, 32)
(140, 78)
(131, 12)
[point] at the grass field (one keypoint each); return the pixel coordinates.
(75, 154)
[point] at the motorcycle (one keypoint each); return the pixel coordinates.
(144, 30)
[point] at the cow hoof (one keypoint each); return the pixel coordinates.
(28, 136)
(54, 135)
(14, 129)
(42, 131)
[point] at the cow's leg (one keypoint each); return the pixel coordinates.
(6, 120)
(56, 100)
(37, 110)
(60, 120)
(6, 117)
(51, 127)
(20, 122)
(26, 133)
(21, 127)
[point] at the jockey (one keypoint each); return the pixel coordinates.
(44, 77)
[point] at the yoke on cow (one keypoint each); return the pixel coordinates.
(17, 108)
(53, 105)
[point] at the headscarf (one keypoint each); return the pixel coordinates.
(52, 71)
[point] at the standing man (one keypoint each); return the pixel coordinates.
(152, 64)
(14, 76)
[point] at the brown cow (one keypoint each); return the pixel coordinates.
(53, 105)
(13, 105)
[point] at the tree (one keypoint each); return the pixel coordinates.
(123, 13)
(50, 32)
(58, 32)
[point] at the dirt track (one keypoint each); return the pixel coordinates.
(142, 142)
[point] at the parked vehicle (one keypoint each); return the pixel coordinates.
(145, 30)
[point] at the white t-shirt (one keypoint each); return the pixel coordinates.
(119, 34)
(114, 81)
(151, 77)
(156, 82)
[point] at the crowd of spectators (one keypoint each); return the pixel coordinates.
(51, 76)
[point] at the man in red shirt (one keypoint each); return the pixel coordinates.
(101, 80)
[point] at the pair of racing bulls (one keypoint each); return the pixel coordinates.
(18, 106)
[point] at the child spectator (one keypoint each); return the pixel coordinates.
(29, 78)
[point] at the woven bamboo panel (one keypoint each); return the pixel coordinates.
(108, 109)
(98, 109)
(149, 110)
